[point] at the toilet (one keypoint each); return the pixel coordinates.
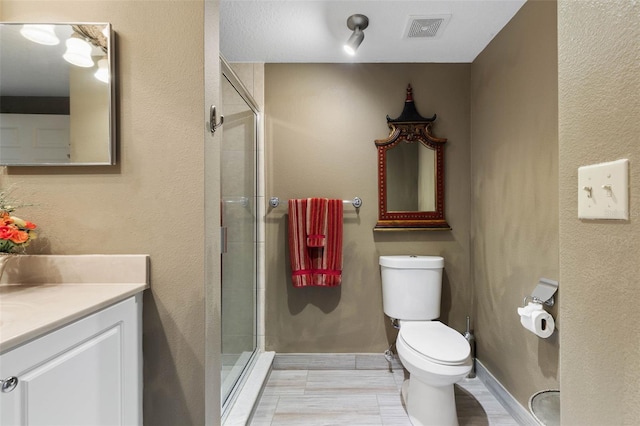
(435, 355)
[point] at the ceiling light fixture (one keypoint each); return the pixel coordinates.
(102, 73)
(356, 23)
(78, 52)
(40, 33)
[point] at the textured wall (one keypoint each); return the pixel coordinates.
(153, 200)
(321, 123)
(514, 158)
(599, 106)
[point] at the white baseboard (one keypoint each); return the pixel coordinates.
(513, 407)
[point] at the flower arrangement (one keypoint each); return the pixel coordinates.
(15, 233)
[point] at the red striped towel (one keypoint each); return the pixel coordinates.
(315, 265)
(316, 222)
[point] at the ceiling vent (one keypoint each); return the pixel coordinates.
(431, 26)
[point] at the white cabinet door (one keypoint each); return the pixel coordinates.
(86, 373)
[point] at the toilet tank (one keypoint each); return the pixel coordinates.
(411, 286)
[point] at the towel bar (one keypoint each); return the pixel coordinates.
(356, 202)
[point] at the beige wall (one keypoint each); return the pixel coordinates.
(514, 161)
(321, 123)
(153, 200)
(89, 117)
(599, 106)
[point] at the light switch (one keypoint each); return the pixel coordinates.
(603, 190)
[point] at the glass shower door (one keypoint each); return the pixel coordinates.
(239, 232)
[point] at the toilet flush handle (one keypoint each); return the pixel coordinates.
(395, 323)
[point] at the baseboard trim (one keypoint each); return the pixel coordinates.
(513, 407)
(334, 361)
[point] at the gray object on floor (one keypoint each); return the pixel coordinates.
(545, 407)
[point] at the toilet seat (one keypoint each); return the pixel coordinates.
(435, 341)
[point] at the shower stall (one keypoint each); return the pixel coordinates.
(240, 207)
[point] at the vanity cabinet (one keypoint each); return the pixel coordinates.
(88, 372)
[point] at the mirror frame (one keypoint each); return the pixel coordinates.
(111, 58)
(411, 127)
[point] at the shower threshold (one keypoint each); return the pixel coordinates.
(239, 408)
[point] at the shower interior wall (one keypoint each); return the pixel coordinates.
(251, 76)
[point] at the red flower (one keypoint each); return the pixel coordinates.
(6, 232)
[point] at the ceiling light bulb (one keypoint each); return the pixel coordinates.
(78, 53)
(40, 33)
(102, 73)
(354, 41)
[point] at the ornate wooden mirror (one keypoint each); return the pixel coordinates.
(411, 173)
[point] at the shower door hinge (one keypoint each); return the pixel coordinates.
(223, 239)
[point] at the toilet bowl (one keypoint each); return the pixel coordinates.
(435, 355)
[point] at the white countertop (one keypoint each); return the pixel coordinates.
(51, 291)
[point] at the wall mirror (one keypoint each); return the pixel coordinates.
(411, 173)
(57, 94)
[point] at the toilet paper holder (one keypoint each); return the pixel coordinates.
(543, 293)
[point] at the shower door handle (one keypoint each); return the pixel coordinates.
(212, 119)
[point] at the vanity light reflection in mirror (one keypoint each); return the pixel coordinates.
(56, 94)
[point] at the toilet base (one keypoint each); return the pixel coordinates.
(429, 405)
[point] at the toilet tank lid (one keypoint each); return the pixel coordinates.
(412, 262)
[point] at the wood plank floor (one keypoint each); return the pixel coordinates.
(360, 397)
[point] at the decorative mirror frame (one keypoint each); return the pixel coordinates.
(411, 127)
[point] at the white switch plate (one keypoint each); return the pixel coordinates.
(603, 190)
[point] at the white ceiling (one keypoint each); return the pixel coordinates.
(284, 31)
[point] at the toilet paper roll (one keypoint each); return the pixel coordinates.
(538, 321)
(543, 324)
